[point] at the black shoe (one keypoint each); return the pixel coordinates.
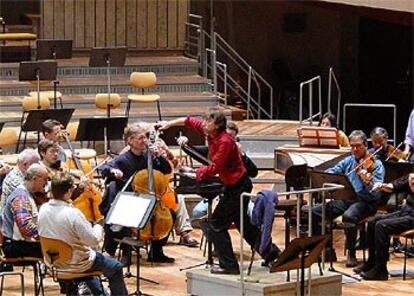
(351, 260)
(160, 258)
(219, 270)
(378, 273)
(273, 255)
(364, 267)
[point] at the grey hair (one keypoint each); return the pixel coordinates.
(359, 134)
(28, 155)
(35, 170)
(139, 127)
(380, 131)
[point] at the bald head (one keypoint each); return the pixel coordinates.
(35, 177)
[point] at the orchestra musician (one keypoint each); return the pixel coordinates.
(362, 180)
(118, 171)
(409, 137)
(15, 177)
(20, 213)
(52, 130)
(4, 170)
(329, 120)
(383, 226)
(58, 219)
(227, 163)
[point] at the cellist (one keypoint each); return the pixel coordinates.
(119, 170)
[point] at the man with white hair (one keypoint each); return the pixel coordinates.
(19, 216)
(15, 177)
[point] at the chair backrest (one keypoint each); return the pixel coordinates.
(72, 129)
(8, 137)
(143, 79)
(297, 177)
(102, 101)
(55, 251)
(31, 103)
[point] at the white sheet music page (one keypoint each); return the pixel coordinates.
(129, 211)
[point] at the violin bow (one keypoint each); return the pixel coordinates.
(363, 162)
(393, 152)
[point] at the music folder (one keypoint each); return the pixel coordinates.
(319, 178)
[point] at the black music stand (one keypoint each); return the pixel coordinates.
(101, 129)
(170, 136)
(36, 71)
(132, 210)
(301, 253)
(35, 118)
(53, 49)
(347, 193)
(395, 170)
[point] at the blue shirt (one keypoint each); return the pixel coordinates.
(363, 190)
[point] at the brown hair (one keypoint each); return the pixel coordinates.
(219, 118)
(48, 125)
(61, 183)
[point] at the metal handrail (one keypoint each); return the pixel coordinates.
(218, 43)
(332, 76)
(327, 187)
(392, 106)
(310, 85)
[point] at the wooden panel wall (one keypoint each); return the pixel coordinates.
(137, 24)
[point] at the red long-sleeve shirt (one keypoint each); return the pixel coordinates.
(225, 157)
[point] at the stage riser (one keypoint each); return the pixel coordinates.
(79, 90)
(12, 72)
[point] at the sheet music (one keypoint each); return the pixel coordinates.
(129, 211)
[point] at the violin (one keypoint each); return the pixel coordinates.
(394, 153)
(366, 167)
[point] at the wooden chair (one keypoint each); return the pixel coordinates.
(49, 94)
(22, 262)
(8, 137)
(143, 80)
(57, 251)
(409, 234)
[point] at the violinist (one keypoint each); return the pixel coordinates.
(15, 177)
(383, 226)
(363, 171)
(19, 215)
(119, 170)
(379, 138)
(52, 130)
(226, 161)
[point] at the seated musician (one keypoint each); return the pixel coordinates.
(58, 219)
(227, 163)
(383, 226)
(84, 196)
(409, 137)
(52, 130)
(19, 215)
(362, 179)
(118, 171)
(329, 120)
(4, 170)
(13, 179)
(387, 152)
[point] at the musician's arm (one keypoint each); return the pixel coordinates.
(107, 169)
(161, 164)
(378, 177)
(175, 122)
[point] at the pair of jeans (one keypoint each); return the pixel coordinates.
(112, 270)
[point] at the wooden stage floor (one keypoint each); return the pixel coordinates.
(172, 282)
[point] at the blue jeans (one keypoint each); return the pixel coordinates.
(112, 270)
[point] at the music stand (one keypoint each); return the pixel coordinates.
(36, 71)
(131, 209)
(395, 170)
(53, 49)
(301, 253)
(318, 180)
(101, 128)
(35, 118)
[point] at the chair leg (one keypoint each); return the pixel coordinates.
(159, 110)
(127, 108)
(405, 260)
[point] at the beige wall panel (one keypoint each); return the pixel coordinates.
(142, 23)
(183, 11)
(120, 23)
(172, 23)
(59, 19)
(110, 22)
(80, 23)
(162, 20)
(100, 23)
(131, 23)
(152, 24)
(69, 19)
(90, 23)
(47, 17)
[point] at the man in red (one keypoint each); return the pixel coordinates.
(227, 163)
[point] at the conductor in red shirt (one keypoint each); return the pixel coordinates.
(226, 161)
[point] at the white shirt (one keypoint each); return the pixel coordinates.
(60, 220)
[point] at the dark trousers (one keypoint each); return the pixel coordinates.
(227, 212)
(380, 230)
(110, 245)
(352, 212)
(13, 249)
